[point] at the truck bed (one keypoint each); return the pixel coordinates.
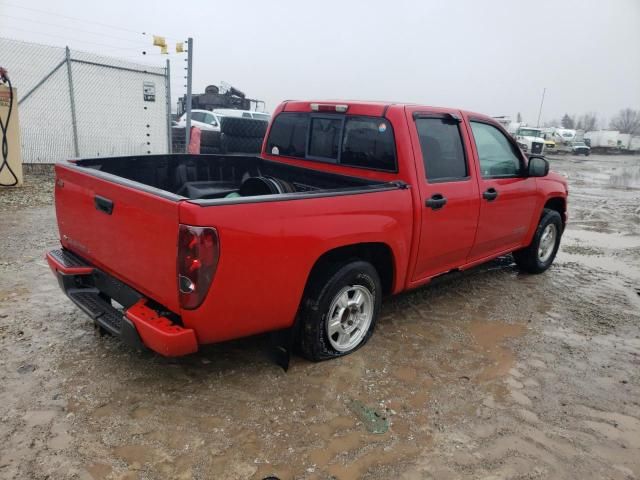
(218, 179)
(122, 214)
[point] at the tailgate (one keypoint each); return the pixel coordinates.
(129, 233)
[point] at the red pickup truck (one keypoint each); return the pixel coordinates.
(349, 201)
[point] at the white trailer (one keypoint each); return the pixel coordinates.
(604, 140)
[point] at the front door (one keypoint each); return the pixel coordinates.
(508, 198)
(448, 190)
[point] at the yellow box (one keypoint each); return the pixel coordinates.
(14, 159)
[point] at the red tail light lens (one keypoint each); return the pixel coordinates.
(198, 254)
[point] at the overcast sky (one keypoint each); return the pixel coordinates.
(493, 57)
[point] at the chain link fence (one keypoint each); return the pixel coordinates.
(79, 104)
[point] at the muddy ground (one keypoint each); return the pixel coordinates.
(495, 374)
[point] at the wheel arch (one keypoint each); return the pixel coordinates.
(378, 254)
(559, 204)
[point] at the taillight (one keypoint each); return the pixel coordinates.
(198, 254)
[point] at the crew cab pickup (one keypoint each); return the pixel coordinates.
(348, 202)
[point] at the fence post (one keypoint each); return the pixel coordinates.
(168, 96)
(72, 103)
(187, 132)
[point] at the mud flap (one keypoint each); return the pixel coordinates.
(282, 344)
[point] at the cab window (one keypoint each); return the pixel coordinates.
(442, 149)
(356, 141)
(368, 142)
(288, 135)
(498, 156)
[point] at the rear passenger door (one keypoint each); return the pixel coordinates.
(508, 197)
(448, 190)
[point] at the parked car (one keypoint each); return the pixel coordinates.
(580, 148)
(203, 119)
(347, 203)
(230, 112)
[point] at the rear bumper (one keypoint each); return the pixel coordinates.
(138, 324)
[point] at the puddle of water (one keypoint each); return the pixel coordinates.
(602, 239)
(356, 469)
(99, 471)
(489, 337)
(608, 264)
(625, 177)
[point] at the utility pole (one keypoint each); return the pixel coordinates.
(541, 103)
(189, 69)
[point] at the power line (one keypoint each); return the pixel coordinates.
(76, 19)
(73, 39)
(76, 29)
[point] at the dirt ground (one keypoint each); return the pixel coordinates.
(494, 374)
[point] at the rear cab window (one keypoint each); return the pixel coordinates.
(350, 140)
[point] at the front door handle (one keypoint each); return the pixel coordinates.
(436, 202)
(490, 195)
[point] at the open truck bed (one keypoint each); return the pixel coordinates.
(219, 177)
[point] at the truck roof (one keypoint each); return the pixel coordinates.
(369, 107)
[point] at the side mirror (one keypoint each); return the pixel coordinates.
(538, 166)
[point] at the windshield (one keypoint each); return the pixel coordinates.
(529, 132)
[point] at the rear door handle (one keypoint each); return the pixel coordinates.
(436, 202)
(103, 204)
(490, 195)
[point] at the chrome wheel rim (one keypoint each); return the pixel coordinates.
(349, 317)
(547, 242)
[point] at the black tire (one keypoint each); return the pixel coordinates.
(528, 259)
(313, 339)
(243, 127)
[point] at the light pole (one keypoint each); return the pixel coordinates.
(541, 103)
(187, 133)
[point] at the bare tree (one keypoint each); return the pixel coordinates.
(568, 122)
(587, 122)
(627, 121)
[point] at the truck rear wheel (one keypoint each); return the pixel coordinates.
(539, 255)
(339, 310)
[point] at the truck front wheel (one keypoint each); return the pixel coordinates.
(539, 255)
(339, 310)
